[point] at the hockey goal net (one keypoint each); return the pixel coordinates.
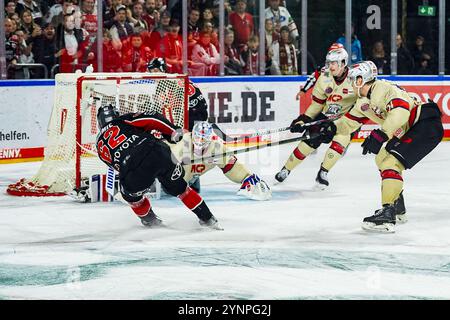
(70, 154)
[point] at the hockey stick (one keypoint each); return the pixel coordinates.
(222, 135)
(215, 157)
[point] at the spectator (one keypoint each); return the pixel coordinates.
(250, 56)
(110, 13)
(159, 32)
(161, 6)
(137, 55)
(418, 52)
(121, 29)
(242, 22)
(68, 7)
(356, 46)
(213, 32)
(379, 58)
(205, 57)
(207, 16)
(151, 15)
(31, 28)
(424, 65)
(281, 17)
(283, 54)
(89, 17)
(35, 10)
(15, 26)
(233, 65)
(26, 56)
(54, 10)
(44, 49)
(10, 8)
(15, 18)
(11, 48)
(68, 42)
(193, 29)
(136, 18)
(112, 58)
(171, 48)
(405, 61)
(271, 34)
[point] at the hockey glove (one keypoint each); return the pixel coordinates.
(327, 131)
(297, 124)
(253, 187)
(373, 143)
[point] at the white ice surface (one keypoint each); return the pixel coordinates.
(302, 244)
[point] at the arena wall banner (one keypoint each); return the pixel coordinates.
(237, 104)
(25, 109)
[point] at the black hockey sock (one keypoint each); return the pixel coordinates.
(202, 211)
(194, 201)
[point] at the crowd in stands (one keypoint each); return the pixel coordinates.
(62, 35)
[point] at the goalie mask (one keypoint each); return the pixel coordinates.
(158, 65)
(202, 134)
(106, 114)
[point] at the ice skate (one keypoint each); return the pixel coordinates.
(382, 221)
(322, 179)
(400, 210)
(211, 223)
(282, 175)
(151, 220)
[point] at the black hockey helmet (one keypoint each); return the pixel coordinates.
(157, 63)
(106, 114)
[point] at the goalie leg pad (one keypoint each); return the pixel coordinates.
(253, 187)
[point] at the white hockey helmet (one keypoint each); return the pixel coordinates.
(202, 134)
(337, 53)
(367, 70)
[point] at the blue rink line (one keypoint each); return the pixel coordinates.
(51, 82)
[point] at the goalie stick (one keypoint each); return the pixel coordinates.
(222, 135)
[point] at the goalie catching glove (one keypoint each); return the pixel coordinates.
(253, 187)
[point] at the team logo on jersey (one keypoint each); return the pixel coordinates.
(365, 107)
(328, 90)
(334, 109)
(157, 134)
(176, 174)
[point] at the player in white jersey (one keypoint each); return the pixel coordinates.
(411, 129)
(332, 97)
(200, 145)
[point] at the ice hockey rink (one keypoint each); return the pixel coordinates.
(302, 244)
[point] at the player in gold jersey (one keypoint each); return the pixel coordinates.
(200, 145)
(332, 96)
(411, 129)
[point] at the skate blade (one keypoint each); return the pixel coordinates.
(158, 224)
(319, 187)
(382, 228)
(215, 227)
(401, 218)
(276, 182)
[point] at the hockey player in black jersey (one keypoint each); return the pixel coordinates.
(133, 144)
